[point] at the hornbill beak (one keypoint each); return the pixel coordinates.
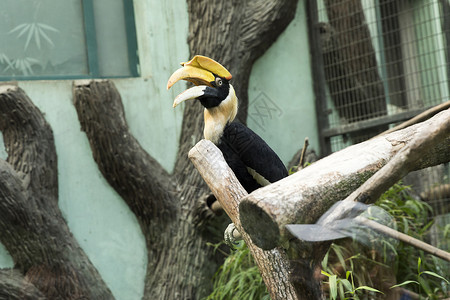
(202, 72)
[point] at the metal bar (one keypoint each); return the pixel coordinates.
(53, 77)
(91, 38)
(318, 74)
(358, 126)
(445, 11)
(130, 30)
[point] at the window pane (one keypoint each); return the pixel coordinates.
(112, 44)
(42, 38)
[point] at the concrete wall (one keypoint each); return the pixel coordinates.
(97, 216)
(281, 97)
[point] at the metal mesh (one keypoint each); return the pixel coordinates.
(382, 58)
(381, 62)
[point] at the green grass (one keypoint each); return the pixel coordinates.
(238, 278)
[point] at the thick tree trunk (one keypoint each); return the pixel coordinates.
(31, 225)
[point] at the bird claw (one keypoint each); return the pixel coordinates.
(232, 236)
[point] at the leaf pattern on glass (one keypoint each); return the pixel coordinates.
(23, 65)
(36, 30)
(4, 59)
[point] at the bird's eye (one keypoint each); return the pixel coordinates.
(218, 81)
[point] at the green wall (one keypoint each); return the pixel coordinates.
(97, 216)
(281, 96)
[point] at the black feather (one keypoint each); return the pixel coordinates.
(243, 148)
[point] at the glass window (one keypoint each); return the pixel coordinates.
(58, 39)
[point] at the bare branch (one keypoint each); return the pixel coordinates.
(403, 237)
(408, 159)
(303, 197)
(301, 162)
(419, 118)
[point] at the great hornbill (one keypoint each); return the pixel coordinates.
(254, 163)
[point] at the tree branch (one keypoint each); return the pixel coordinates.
(419, 118)
(31, 225)
(435, 134)
(130, 170)
(415, 155)
(164, 207)
(403, 237)
(29, 142)
(303, 197)
(273, 264)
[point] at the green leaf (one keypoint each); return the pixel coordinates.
(347, 285)
(37, 37)
(21, 26)
(404, 283)
(425, 285)
(30, 35)
(419, 262)
(48, 27)
(333, 286)
(446, 230)
(341, 291)
(325, 260)
(368, 288)
(435, 275)
(325, 273)
(347, 274)
(341, 258)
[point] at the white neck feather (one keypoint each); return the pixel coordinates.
(216, 118)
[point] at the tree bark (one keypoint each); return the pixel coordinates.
(419, 118)
(303, 197)
(273, 264)
(31, 225)
(13, 286)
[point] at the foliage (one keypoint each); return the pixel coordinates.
(238, 277)
(356, 268)
(413, 218)
(352, 276)
(421, 282)
(345, 286)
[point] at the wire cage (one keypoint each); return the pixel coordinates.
(377, 63)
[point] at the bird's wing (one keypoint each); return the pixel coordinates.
(239, 168)
(254, 151)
